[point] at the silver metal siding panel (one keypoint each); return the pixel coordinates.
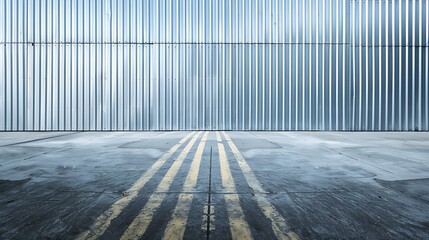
(208, 64)
(390, 50)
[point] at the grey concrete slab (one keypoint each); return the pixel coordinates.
(12, 138)
(326, 185)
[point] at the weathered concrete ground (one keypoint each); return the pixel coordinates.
(325, 185)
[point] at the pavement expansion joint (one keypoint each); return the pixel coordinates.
(208, 208)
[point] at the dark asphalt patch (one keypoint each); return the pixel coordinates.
(416, 188)
(10, 184)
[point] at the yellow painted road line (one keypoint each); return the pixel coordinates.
(177, 224)
(104, 220)
(238, 225)
(141, 222)
(278, 223)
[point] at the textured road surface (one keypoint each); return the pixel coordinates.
(198, 185)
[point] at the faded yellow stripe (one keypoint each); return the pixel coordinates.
(278, 223)
(104, 220)
(177, 224)
(238, 225)
(140, 224)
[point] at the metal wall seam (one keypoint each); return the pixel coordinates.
(426, 63)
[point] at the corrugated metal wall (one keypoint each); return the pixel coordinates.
(214, 64)
(390, 65)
